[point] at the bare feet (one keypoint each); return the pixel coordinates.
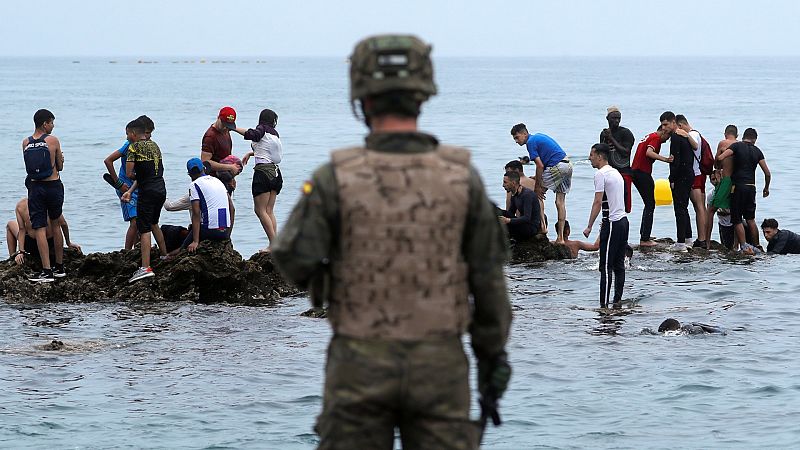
(647, 243)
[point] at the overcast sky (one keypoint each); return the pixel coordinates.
(142, 28)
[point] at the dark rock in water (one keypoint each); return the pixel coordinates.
(54, 345)
(215, 273)
(538, 249)
(316, 312)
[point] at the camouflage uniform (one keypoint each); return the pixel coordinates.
(394, 236)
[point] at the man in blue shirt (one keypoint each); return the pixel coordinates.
(553, 169)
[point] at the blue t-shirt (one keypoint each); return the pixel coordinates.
(123, 175)
(545, 148)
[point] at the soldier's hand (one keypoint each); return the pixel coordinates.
(493, 376)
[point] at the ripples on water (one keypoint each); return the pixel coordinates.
(197, 376)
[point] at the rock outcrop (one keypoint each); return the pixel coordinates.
(537, 249)
(216, 273)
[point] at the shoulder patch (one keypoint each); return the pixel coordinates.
(307, 188)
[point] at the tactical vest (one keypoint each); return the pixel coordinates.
(399, 273)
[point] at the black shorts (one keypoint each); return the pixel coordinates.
(33, 250)
(45, 200)
(743, 203)
(263, 182)
(149, 209)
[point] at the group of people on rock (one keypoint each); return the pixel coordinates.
(731, 170)
(41, 229)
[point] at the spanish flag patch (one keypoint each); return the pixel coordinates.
(307, 187)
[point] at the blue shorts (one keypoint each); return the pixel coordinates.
(129, 209)
(45, 201)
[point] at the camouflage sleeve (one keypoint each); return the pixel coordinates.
(485, 250)
(303, 247)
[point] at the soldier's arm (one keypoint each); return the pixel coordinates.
(303, 247)
(485, 250)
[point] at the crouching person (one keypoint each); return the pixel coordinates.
(211, 207)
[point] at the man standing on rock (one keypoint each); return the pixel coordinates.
(620, 140)
(553, 170)
(43, 162)
(608, 195)
(395, 235)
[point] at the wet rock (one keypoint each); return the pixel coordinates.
(537, 249)
(53, 346)
(216, 273)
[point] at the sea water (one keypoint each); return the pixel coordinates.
(181, 375)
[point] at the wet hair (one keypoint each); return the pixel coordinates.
(395, 103)
(731, 129)
(136, 126)
(147, 122)
(602, 149)
(669, 116)
(42, 116)
(769, 223)
(680, 118)
(750, 133)
(669, 325)
(268, 117)
(514, 165)
(512, 176)
(518, 128)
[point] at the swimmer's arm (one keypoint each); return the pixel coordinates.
(62, 221)
(589, 247)
(21, 231)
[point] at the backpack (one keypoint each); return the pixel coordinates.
(37, 158)
(706, 160)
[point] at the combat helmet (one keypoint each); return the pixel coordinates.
(391, 62)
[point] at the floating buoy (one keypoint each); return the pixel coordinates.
(663, 193)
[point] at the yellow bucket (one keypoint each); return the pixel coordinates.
(663, 193)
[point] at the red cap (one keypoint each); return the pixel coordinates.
(228, 117)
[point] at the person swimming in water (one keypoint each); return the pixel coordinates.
(672, 326)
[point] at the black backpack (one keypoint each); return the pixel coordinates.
(37, 158)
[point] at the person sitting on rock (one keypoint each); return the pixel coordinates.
(21, 245)
(211, 207)
(524, 200)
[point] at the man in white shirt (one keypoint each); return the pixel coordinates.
(609, 194)
(211, 207)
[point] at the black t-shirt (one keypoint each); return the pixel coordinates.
(528, 206)
(784, 242)
(745, 160)
(619, 158)
(149, 167)
(682, 166)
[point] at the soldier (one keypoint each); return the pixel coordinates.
(395, 235)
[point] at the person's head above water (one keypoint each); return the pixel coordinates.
(770, 228)
(669, 325)
(514, 166)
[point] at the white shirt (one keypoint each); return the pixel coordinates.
(268, 149)
(609, 181)
(697, 152)
(213, 198)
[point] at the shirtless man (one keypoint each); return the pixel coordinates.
(575, 246)
(528, 183)
(722, 170)
(25, 244)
